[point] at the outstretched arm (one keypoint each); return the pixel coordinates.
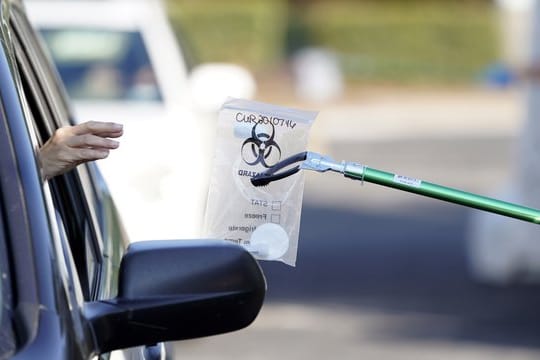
(73, 145)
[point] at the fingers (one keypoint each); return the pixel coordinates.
(91, 141)
(83, 155)
(103, 129)
(92, 134)
(74, 156)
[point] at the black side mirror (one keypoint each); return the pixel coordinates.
(175, 290)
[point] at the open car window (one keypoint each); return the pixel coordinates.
(74, 223)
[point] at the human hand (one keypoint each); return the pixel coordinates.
(73, 145)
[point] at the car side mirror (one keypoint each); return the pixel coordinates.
(175, 290)
(210, 84)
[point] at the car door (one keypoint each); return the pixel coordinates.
(91, 238)
(69, 197)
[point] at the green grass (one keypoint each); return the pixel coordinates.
(378, 41)
(444, 42)
(245, 32)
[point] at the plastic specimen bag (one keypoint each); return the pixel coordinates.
(251, 138)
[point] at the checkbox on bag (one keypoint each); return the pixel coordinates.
(276, 205)
(275, 218)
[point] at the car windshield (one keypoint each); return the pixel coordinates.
(103, 64)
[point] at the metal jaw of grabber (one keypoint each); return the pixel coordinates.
(321, 163)
(308, 161)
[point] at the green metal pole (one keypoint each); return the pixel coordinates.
(425, 188)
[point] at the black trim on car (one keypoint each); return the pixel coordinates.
(8, 340)
(12, 184)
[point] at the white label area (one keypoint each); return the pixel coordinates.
(404, 180)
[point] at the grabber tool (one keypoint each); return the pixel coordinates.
(320, 163)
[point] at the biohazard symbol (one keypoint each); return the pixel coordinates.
(261, 147)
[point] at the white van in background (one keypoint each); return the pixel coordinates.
(121, 62)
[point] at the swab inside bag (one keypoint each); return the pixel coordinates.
(252, 137)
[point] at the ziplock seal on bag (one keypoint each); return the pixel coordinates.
(252, 137)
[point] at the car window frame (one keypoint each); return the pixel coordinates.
(67, 190)
(21, 223)
(8, 340)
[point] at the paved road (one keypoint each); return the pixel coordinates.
(383, 274)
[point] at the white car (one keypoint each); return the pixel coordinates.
(120, 61)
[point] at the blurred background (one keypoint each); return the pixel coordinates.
(445, 91)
